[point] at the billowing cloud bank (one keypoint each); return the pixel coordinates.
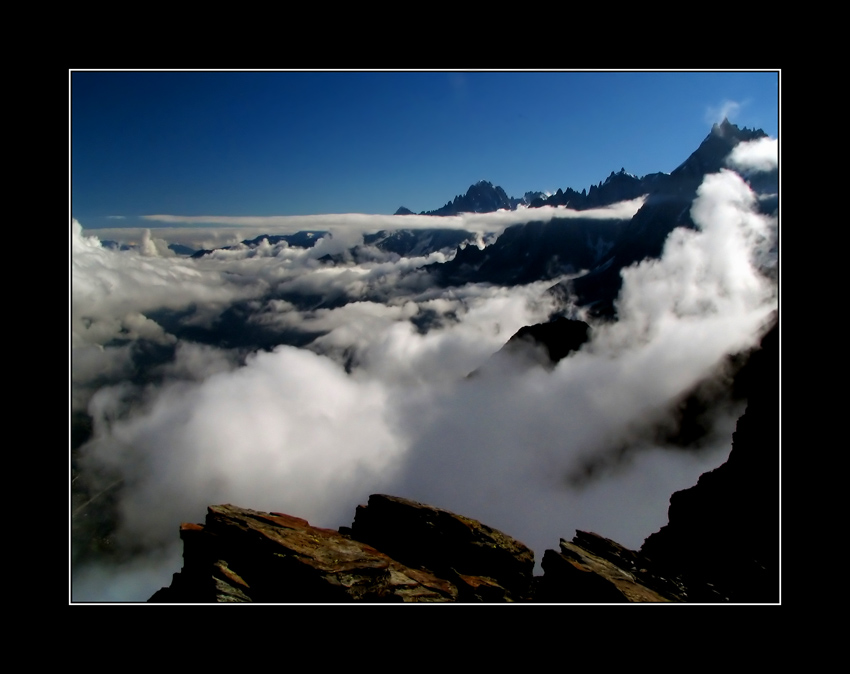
(379, 401)
(758, 155)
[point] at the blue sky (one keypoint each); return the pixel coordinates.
(300, 143)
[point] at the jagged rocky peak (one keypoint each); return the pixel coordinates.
(484, 197)
(736, 133)
(726, 129)
(710, 156)
(481, 197)
(620, 175)
(723, 128)
(618, 186)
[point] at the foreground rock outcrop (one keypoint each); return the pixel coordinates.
(397, 550)
(426, 554)
(722, 539)
(242, 555)
(484, 563)
(437, 556)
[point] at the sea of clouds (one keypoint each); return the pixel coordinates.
(375, 400)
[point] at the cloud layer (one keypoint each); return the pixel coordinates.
(758, 155)
(212, 231)
(379, 400)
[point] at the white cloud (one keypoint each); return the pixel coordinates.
(113, 291)
(291, 431)
(346, 226)
(108, 283)
(756, 155)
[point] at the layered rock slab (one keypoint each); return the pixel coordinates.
(597, 570)
(485, 563)
(243, 555)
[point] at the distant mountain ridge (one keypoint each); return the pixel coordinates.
(484, 197)
(667, 206)
(599, 249)
(416, 242)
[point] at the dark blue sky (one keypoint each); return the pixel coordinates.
(296, 143)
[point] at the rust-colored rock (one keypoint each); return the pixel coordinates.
(448, 544)
(246, 555)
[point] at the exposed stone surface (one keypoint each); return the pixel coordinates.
(593, 569)
(482, 197)
(451, 545)
(722, 538)
(429, 555)
(559, 337)
(246, 555)
(543, 344)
